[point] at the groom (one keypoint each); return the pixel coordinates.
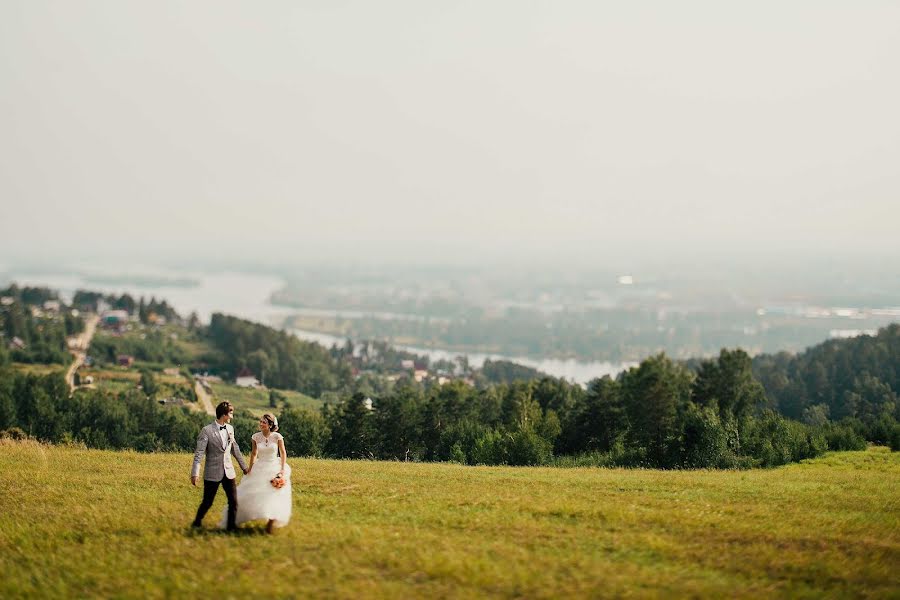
(216, 441)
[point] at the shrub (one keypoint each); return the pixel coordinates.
(774, 440)
(842, 436)
(704, 443)
(894, 440)
(488, 449)
(305, 432)
(526, 447)
(457, 454)
(13, 433)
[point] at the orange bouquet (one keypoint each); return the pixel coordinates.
(278, 482)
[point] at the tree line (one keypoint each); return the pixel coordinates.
(659, 414)
(42, 407)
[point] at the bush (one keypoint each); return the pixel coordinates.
(13, 433)
(894, 440)
(457, 455)
(704, 442)
(774, 440)
(526, 447)
(488, 449)
(459, 436)
(305, 432)
(842, 436)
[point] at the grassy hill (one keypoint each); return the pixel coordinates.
(257, 400)
(89, 523)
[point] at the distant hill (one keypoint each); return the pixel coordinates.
(277, 358)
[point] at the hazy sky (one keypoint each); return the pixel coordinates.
(448, 129)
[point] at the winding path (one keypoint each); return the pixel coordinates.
(204, 398)
(80, 348)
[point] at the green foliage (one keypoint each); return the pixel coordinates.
(704, 440)
(275, 397)
(43, 408)
(398, 418)
(894, 439)
(526, 447)
(42, 335)
(149, 384)
(352, 429)
(30, 296)
(306, 432)
(656, 391)
(727, 385)
(152, 346)
(599, 421)
(854, 378)
(774, 440)
(842, 436)
(277, 358)
(504, 371)
(489, 449)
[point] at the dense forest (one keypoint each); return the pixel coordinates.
(853, 380)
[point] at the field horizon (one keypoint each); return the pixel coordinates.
(79, 522)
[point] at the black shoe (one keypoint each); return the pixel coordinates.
(196, 525)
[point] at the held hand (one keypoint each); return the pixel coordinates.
(194, 480)
(246, 471)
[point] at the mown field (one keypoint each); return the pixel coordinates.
(90, 523)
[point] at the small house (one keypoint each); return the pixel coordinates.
(115, 318)
(246, 379)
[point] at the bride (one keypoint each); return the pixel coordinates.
(257, 498)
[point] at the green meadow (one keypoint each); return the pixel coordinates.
(92, 523)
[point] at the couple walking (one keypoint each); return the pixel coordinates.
(265, 490)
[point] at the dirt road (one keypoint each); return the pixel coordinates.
(80, 348)
(204, 397)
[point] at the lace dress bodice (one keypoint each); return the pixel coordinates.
(266, 448)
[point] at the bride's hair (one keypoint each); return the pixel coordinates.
(272, 421)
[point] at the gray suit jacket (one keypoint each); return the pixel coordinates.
(218, 463)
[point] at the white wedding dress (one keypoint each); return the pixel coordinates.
(256, 498)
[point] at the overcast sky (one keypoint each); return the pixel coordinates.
(434, 129)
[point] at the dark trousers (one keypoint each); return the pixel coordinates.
(209, 494)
